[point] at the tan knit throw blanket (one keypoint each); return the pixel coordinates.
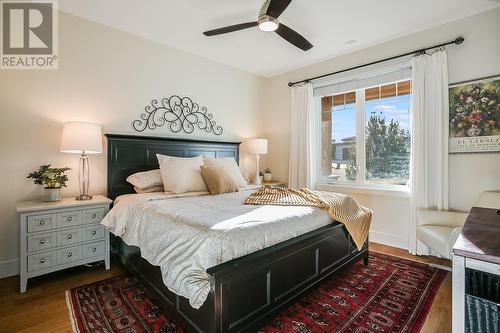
(341, 208)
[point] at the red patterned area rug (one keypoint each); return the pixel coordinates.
(390, 295)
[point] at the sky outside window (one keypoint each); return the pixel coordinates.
(344, 116)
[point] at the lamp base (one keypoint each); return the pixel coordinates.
(257, 175)
(83, 178)
(83, 197)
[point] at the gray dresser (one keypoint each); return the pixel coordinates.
(58, 235)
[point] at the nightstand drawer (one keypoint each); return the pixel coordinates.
(93, 215)
(41, 222)
(94, 249)
(69, 237)
(94, 232)
(69, 254)
(40, 242)
(41, 261)
(69, 219)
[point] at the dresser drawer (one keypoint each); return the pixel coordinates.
(94, 249)
(69, 254)
(40, 242)
(69, 237)
(41, 222)
(41, 261)
(69, 219)
(94, 232)
(93, 215)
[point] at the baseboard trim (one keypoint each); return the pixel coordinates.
(9, 268)
(389, 239)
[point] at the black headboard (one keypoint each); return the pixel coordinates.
(128, 154)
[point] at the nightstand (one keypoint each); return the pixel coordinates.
(59, 235)
(272, 184)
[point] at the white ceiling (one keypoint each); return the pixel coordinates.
(330, 25)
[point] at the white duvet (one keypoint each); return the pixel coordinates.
(185, 235)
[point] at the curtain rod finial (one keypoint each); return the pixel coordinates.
(459, 40)
(290, 84)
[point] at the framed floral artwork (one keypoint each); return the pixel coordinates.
(475, 116)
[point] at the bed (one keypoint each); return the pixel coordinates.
(246, 291)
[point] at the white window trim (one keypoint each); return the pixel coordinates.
(360, 137)
(360, 186)
(372, 71)
(382, 190)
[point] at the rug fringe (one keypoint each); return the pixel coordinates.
(74, 327)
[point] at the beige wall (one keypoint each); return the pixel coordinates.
(470, 174)
(107, 77)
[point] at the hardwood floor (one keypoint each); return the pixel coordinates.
(43, 307)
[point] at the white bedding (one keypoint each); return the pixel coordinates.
(186, 234)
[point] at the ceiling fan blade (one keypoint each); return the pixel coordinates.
(293, 37)
(230, 28)
(277, 7)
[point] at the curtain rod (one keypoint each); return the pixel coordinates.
(457, 41)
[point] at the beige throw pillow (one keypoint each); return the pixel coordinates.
(145, 179)
(181, 175)
(152, 189)
(218, 180)
(231, 167)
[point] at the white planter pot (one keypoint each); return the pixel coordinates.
(51, 194)
(268, 177)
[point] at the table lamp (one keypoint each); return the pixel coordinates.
(257, 147)
(82, 138)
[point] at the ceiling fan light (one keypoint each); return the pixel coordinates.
(268, 23)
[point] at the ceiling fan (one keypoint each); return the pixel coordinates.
(268, 21)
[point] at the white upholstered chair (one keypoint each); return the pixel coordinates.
(440, 229)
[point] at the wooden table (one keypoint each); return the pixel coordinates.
(478, 248)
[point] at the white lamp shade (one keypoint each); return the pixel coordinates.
(257, 146)
(78, 137)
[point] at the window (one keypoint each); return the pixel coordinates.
(339, 136)
(366, 137)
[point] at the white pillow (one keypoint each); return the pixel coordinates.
(228, 164)
(180, 175)
(145, 179)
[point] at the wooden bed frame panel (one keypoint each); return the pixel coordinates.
(247, 291)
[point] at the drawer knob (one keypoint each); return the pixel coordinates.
(70, 218)
(70, 236)
(94, 249)
(42, 222)
(42, 241)
(42, 260)
(93, 232)
(70, 254)
(94, 215)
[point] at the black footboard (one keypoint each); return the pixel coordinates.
(248, 291)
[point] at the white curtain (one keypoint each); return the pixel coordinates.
(305, 136)
(429, 184)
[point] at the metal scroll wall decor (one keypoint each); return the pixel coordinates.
(178, 114)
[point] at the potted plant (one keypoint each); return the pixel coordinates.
(52, 178)
(268, 175)
(261, 176)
